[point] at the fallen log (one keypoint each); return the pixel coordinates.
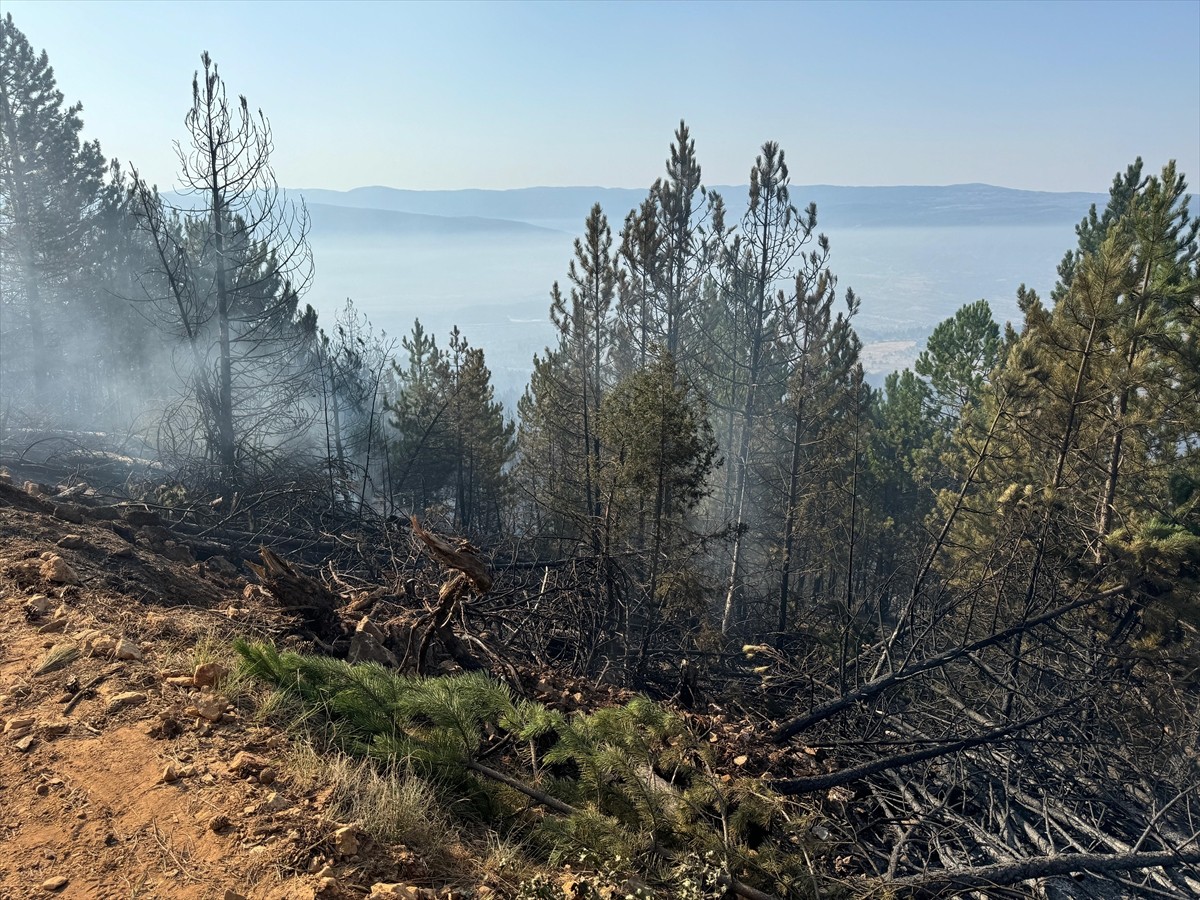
(952, 882)
(296, 593)
(463, 558)
(874, 688)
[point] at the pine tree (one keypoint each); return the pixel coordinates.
(958, 357)
(421, 461)
(482, 440)
(772, 234)
(452, 442)
(656, 427)
(561, 409)
(52, 186)
(240, 261)
(690, 223)
(637, 278)
(819, 435)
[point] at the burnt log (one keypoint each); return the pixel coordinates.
(300, 595)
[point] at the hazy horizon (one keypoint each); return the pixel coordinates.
(507, 95)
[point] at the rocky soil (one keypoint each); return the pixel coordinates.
(130, 765)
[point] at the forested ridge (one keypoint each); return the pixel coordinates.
(955, 619)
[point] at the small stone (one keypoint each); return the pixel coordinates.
(346, 841)
(741, 760)
(209, 674)
(221, 566)
(103, 645)
(218, 823)
(170, 774)
(69, 512)
(19, 724)
(58, 570)
(139, 517)
(155, 535)
(383, 891)
(276, 802)
(24, 743)
(127, 650)
(57, 883)
(39, 605)
(247, 763)
(128, 698)
(267, 776)
(71, 542)
(180, 680)
(166, 727)
(209, 708)
(51, 730)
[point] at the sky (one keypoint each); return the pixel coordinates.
(1041, 96)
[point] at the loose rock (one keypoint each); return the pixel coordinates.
(39, 605)
(127, 650)
(18, 725)
(209, 708)
(57, 883)
(247, 763)
(346, 841)
(383, 891)
(69, 512)
(276, 802)
(102, 645)
(59, 571)
(128, 698)
(51, 730)
(209, 674)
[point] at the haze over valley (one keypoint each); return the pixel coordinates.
(485, 260)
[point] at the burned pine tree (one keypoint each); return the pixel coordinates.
(232, 261)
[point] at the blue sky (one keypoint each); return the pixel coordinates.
(1048, 96)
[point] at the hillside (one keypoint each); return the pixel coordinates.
(142, 756)
(139, 759)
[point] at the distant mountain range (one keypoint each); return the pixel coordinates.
(328, 218)
(565, 208)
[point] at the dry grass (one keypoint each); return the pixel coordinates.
(389, 803)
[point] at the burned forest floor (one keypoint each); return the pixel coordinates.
(201, 704)
(138, 760)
